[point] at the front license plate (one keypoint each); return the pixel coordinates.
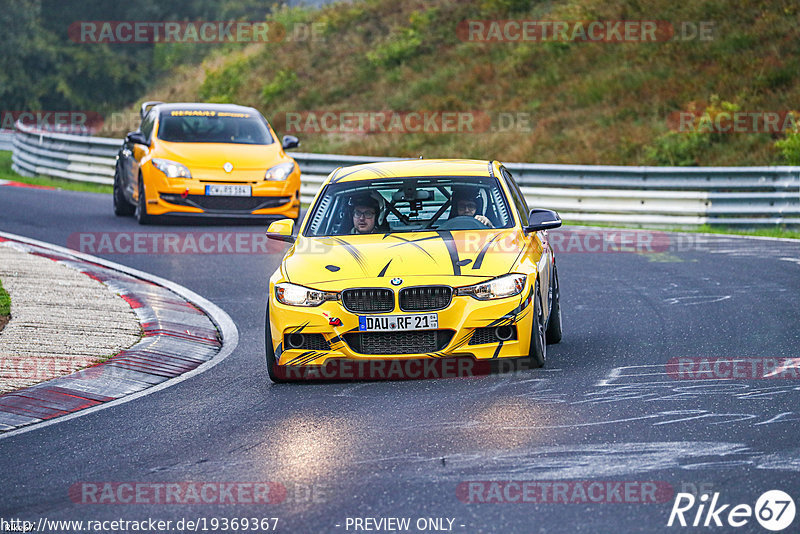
(228, 190)
(390, 323)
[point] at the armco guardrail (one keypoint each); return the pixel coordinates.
(72, 157)
(6, 139)
(684, 196)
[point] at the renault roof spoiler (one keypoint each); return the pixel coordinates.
(146, 107)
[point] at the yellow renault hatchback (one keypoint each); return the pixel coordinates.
(217, 160)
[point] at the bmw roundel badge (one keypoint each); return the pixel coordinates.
(397, 281)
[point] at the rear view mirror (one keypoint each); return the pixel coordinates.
(290, 141)
(281, 230)
(410, 194)
(136, 138)
(542, 219)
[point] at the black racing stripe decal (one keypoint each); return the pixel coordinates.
(338, 178)
(506, 319)
(298, 329)
(524, 302)
(414, 242)
(279, 351)
(285, 271)
(354, 252)
(497, 350)
(296, 359)
(447, 237)
(383, 271)
(380, 172)
(521, 252)
(462, 263)
(482, 253)
(513, 315)
(311, 358)
(461, 342)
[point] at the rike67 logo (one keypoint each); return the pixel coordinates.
(774, 510)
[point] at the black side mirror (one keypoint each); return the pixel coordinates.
(290, 141)
(541, 219)
(136, 138)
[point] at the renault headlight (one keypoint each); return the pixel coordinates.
(279, 172)
(294, 295)
(172, 169)
(504, 286)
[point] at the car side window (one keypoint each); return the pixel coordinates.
(147, 124)
(516, 194)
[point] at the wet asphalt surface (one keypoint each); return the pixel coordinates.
(605, 408)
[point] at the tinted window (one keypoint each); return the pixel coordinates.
(208, 126)
(412, 204)
(516, 194)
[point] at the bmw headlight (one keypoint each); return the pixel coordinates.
(171, 168)
(295, 295)
(279, 172)
(504, 286)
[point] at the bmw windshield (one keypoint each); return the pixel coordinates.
(410, 204)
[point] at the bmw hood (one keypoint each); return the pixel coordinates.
(474, 253)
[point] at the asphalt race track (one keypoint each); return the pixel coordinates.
(604, 409)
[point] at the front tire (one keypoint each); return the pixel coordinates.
(537, 353)
(141, 206)
(122, 208)
(553, 333)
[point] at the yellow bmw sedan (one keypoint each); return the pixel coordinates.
(210, 160)
(400, 268)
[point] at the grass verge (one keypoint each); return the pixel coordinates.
(69, 185)
(780, 232)
(5, 306)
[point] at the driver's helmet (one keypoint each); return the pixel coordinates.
(471, 194)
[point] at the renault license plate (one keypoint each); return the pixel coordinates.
(228, 190)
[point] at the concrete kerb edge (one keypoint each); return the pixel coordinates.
(223, 322)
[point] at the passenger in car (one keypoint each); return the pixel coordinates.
(467, 201)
